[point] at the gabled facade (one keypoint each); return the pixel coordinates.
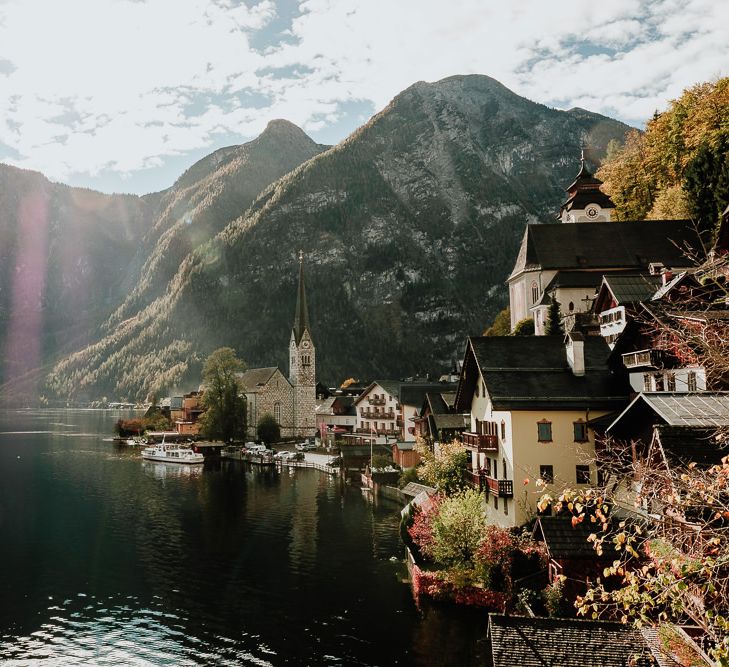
(530, 399)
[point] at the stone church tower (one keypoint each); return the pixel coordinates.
(302, 364)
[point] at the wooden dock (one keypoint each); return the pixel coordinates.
(329, 470)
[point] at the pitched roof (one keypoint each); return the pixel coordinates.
(605, 245)
(254, 379)
(532, 372)
(392, 387)
(301, 317)
(536, 642)
(413, 393)
(632, 288)
(451, 422)
(702, 409)
(563, 540)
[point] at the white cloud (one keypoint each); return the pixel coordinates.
(107, 85)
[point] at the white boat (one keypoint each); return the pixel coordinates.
(172, 454)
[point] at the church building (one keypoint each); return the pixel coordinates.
(566, 261)
(291, 400)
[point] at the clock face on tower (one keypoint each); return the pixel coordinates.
(305, 344)
(591, 211)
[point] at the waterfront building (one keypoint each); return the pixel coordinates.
(531, 399)
(291, 400)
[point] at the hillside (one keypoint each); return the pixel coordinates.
(409, 228)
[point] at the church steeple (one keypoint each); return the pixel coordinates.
(586, 202)
(301, 317)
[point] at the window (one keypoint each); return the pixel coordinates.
(503, 466)
(671, 382)
(503, 430)
(646, 382)
(535, 292)
(547, 474)
(659, 381)
(691, 380)
(582, 474)
(544, 431)
(496, 502)
(506, 507)
(580, 431)
(277, 412)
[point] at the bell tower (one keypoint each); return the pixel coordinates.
(586, 202)
(302, 364)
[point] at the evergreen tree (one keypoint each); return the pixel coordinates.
(224, 400)
(554, 326)
(268, 429)
(706, 183)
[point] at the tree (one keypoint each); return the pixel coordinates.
(223, 399)
(268, 429)
(501, 326)
(444, 469)
(553, 327)
(458, 528)
(524, 327)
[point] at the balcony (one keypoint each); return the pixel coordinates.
(642, 359)
(501, 488)
(370, 414)
(376, 400)
(480, 442)
(473, 479)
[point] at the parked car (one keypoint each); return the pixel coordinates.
(253, 448)
(306, 446)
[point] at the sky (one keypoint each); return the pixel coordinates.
(124, 95)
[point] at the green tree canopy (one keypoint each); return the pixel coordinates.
(524, 327)
(223, 398)
(553, 327)
(679, 166)
(444, 470)
(268, 429)
(501, 326)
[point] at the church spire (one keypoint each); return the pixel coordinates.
(301, 318)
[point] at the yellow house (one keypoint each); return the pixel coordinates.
(530, 400)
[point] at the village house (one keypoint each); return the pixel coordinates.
(437, 421)
(334, 416)
(530, 400)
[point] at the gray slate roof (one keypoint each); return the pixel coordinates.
(414, 489)
(605, 245)
(563, 540)
(531, 372)
(254, 379)
(561, 642)
(632, 288)
(413, 393)
(702, 409)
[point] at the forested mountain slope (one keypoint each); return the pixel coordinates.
(409, 228)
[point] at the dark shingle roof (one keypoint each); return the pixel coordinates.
(606, 245)
(563, 540)
(537, 642)
(450, 422)
(254, 379)
(413, 393)
(532, 372)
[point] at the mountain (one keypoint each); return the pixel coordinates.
(73, 260)
(64, 256)
(210, 194)
(409, 228)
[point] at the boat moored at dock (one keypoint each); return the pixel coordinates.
(172, 453)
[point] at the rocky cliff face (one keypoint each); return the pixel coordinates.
(409, 228)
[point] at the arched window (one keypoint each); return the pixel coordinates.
(277, 412)
(571, 306)
(535, 292)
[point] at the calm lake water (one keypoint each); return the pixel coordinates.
(106, 559)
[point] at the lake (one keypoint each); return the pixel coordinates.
(108, 559)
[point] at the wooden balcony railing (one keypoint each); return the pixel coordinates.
(473, 479)
(371, 414)
(376, 400)
(481, 442)
(501, 488)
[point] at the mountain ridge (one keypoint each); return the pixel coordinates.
(409, 227)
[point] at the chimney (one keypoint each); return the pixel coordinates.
(575, 348)
(667, 276)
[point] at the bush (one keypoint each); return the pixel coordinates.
(268, 430)
(524, 327)
(407, 476)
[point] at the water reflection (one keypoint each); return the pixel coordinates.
(112, 559)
